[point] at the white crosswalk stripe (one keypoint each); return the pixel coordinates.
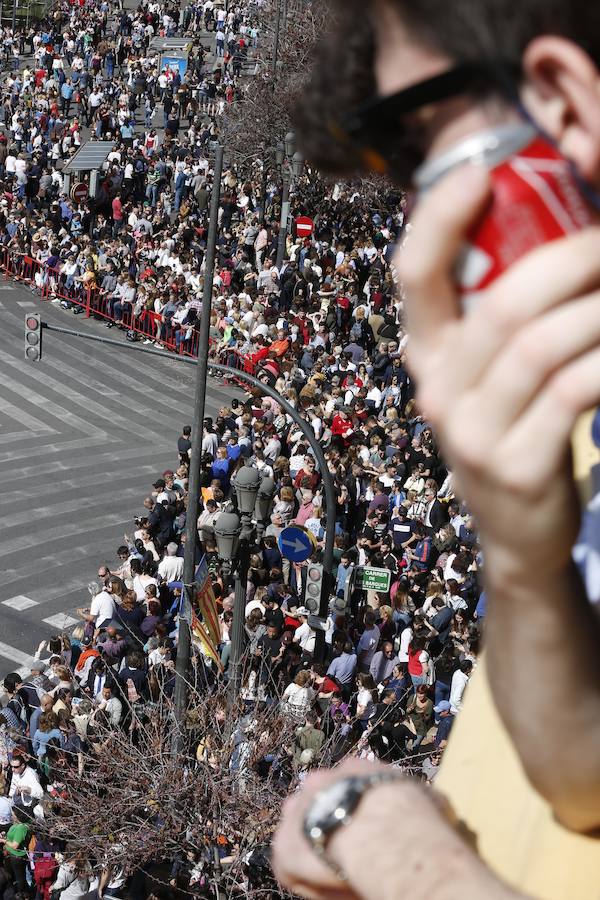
(20, 602)
(83, 434)
(15, 655)
(60, 621)
(24, 418)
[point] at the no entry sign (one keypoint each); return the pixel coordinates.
(79, 193)
(304, 226)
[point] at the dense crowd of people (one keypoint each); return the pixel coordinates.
(396, 666)
(325, 330)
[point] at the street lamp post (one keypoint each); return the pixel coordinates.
(191, 530)
(291, 164)
(276, 46)
(235, 534)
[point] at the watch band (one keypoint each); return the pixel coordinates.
(318, 836)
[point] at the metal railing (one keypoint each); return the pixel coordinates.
(141, 324)
(144, 325)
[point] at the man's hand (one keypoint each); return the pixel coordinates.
(392, 814)
(504, 384)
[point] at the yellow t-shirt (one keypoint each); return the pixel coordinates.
(513, 828)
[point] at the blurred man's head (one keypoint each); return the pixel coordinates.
(541, 52)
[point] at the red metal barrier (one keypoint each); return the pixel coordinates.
(231, 357)
(51, 283)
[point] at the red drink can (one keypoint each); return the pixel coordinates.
(536, 198)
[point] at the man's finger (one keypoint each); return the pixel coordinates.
(540, 349)
(428, 256)
(569, 393)
(541, 281)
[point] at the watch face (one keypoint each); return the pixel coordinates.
(332, 806)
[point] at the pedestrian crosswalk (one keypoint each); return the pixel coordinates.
(83, 434)
(20, 602)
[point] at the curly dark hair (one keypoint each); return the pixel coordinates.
(341, 79)
(464, 30)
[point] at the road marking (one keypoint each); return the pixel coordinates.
(97, 411)
(71, 529)
(13, 437)
(34, 514)
(63, 448)
(61, 621)
(26, 303)
(29, 395)
(77, 585)
(20, 602)
(46, 563)
(19, 415)
(16, 655)
(84, 481)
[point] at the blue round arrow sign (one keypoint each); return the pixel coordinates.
(296, 544)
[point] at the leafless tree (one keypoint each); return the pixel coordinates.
(136, 803)
(261, 116)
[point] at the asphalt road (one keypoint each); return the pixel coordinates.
(83, 434)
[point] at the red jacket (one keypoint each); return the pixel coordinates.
(340, 427)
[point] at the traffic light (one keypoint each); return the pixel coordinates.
(33, 337)
(314, 584)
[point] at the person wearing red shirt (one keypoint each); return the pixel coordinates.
(341, 428)
(253, 359)
(308, 475)
(302, 323)
(324, 685)
(354, 380)
(117, 214)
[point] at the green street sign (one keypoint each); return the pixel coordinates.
(370, 579)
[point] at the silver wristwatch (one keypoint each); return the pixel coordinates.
(334, 806)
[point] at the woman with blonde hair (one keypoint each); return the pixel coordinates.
(63, 678)
(285, 505)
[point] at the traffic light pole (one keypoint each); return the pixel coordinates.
(283, 221)
(303, 425)
(184, 643)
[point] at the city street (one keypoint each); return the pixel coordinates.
(83, 434)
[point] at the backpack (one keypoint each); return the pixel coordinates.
(18, 706)
(389, 331)
(356, 332)
(44, 874)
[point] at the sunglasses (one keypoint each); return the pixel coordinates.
(381, 142)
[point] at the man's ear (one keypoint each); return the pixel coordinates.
(562, 94)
